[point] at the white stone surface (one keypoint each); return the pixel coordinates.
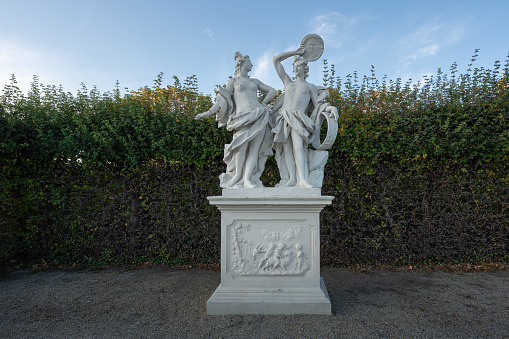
(270, 237)
(289, 126)
(301, 112)
(237, 107)
(270, 192)
(270, 252)
(276, 301)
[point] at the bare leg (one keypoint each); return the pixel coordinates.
(240, 158)
(300, 159)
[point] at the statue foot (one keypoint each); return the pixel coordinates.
(249, 184)
(305, 184)
(289, 183)
(232, 182)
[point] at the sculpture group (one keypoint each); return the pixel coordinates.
(270, 238)
(288, 126)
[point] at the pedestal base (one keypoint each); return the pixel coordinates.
(296, 301)
(270, 252)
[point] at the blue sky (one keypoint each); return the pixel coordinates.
(100, 42)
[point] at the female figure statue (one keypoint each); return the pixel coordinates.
(237, 107)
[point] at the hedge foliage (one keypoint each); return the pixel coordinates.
(420, 173)
(49, 124)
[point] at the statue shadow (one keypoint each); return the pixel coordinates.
(354, 292)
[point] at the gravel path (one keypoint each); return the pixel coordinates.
(163, 302)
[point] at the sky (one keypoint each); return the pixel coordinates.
(101, 42)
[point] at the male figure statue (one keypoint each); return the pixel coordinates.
(294, 129)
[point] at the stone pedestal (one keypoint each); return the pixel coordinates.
(270, 252)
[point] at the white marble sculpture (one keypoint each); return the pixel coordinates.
(270, 237)
(301, 112)
(237, 107)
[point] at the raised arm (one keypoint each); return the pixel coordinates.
(279, 67)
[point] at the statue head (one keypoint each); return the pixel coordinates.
(301, 61)
(239, 62)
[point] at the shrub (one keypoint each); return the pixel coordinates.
(419, 172)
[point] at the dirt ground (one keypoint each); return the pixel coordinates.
(162, 302)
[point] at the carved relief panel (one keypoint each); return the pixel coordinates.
(269, 248)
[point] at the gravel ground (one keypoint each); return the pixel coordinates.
(162, 302)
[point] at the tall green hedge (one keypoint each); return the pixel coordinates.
(419, 172)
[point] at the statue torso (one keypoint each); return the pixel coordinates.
(245, 92)
(297, 96)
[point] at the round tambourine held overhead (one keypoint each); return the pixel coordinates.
(313, 45)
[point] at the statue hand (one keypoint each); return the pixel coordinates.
(335, 112)
(332, 112)
(300, 51)
(200, 116)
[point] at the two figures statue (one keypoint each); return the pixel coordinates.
(288, 126)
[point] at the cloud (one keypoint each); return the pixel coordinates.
(336, 28)
(428, 50)
(263, 70)
(331, 27)
(13, 53)
(208, 32)
(25, 62)
(428, 40)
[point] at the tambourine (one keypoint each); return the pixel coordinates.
(313, 45)
(332, 132)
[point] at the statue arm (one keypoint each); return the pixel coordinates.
(271, 92)
(279, 67)
(218, 102)
(212, 110)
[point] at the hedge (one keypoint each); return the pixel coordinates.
(420, 173)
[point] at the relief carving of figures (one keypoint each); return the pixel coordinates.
(267, 255)
(298, 257)
(237, 107)
(281, 258)
(238, 244)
